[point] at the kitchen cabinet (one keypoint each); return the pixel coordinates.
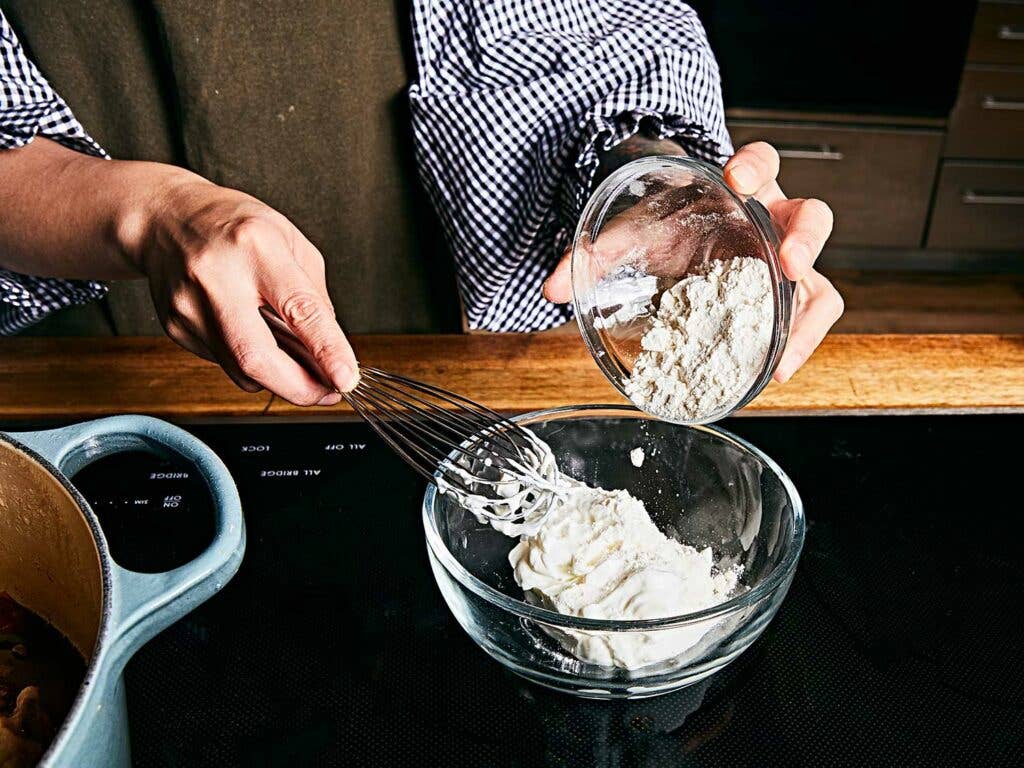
(979, 199)
(953, 183)
(877, 179)
(998, 35)
(978, 205)
(988, 119)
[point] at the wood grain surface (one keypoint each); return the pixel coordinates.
(54, 378)
(47, 378)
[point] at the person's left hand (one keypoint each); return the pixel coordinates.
(806, 224)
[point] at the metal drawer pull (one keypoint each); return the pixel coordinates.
(992, 198)
(992, 102)
(1010, 32)
(809, 152)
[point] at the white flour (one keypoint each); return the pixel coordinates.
(599, 555)
(707, 342)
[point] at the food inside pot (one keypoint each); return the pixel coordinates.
(40, 673)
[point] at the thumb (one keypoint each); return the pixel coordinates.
(558, 286)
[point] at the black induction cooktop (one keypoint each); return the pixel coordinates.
(900, 642)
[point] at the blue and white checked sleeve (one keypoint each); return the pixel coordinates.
(30, 107)
(513, 101)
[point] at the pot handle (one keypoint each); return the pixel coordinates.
(146, 603)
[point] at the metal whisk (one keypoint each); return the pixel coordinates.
(488, 463)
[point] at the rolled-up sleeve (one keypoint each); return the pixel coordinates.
(29, 107)
(511, 105)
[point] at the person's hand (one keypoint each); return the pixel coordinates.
(807, 224)
(213, 257)
(671, 243)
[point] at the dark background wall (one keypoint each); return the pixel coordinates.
(867, 56)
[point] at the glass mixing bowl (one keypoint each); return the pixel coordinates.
(647, 226)
(701, 485)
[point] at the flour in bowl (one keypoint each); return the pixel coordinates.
(598, 555)
(707, 342)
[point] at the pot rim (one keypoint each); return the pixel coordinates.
(95, 663)
(775, 580)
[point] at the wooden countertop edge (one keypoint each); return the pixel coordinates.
(76, 378)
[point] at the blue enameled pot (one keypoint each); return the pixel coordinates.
(55, 561)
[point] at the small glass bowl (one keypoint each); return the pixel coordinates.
(685, 205)
(701, 485)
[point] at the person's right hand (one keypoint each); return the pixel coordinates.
(213, 257)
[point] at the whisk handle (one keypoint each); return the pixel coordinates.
(294, 348)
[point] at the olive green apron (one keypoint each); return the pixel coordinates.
(301, 104)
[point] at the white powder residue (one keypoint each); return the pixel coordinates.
(599, 555)
(707, 342)
(595, 553)
(637, 457)
(624, 295)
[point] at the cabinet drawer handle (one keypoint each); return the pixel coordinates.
(1010, 32)
(992, 102)
(971, 197)
(809, 152)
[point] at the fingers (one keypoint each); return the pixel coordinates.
(181, 335)
(219, 321)
(809, 228)
(221, 256)
(558, 287)
(190, 342)
(752, 168)
(304, 306)
(616, 245)
(818, 306)
(808, 224)
(244, 341)
(310, 260)
(186, 325)
(245, 348)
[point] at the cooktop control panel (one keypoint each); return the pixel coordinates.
(156, 513)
